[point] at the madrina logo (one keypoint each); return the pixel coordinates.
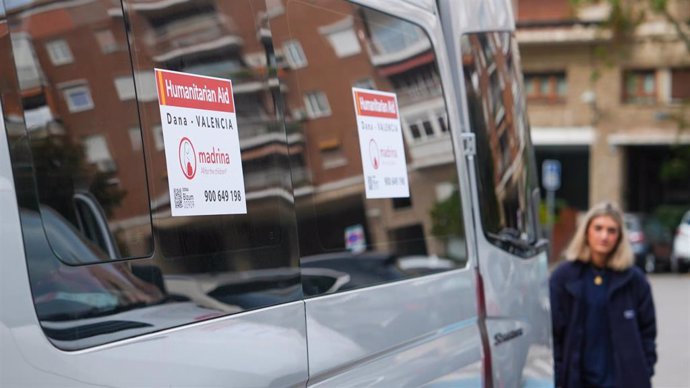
(187, 156)
(374, 154)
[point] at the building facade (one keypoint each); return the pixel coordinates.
(611, 108)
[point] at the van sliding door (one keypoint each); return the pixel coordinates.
(383, 253)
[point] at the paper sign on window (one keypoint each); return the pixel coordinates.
(202, 148)
(381, 144)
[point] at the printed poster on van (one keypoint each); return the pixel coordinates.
(202, 148)
(381, 144)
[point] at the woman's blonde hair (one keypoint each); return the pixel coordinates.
(621, 258)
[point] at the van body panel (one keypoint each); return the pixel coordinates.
(432, 318)
(518, 317)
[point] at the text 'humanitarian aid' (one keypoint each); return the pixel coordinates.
(202, 148)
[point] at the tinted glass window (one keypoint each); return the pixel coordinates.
(505, 166)
(78, 129)
(349, 231)
(96, 146)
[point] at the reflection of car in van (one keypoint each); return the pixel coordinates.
(268, 193)
(644, 258)
(680, 256)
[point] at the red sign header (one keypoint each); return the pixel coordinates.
(376, 105)
(194, 91)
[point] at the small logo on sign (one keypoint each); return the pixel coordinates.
(374, 154)
(187, 156)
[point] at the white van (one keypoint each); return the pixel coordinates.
(267, 193)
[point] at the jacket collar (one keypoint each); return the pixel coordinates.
(576, 286)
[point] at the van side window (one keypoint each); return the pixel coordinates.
(84, 166)
(497, 116)
(352, 232)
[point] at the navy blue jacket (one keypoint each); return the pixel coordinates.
(631, 320)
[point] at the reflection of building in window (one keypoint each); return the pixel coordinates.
(135, 138)
(59, 52)
(145, 86)
(680, 84)
(78, 97)
(365, 83)
(342, 37)
(549, 87)
(416, 84)
(317, 104)
(158, 138)
(496, 116)
(332, 154)
(294, 54)
(274, 8)
(391, 36)
(125, 87)
(639, 86)
(425, 126)
(106, 41)
(402, 203)
(96, 149)
(28, 68)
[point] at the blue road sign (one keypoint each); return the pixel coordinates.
(551, 174)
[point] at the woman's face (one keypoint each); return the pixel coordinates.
(602, 235)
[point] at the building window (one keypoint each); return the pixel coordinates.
(442, 123)
(418, 85)
(125, 88)
(332, 155)
(427, 126)
(106, 41)
(135, 138)
(146, 86)
(78, 98)
(158, 138)
(365, 83)
(317, 104)
(680, 84)
(59, 52)
(402, 203)
(547, 87)
(292, 49)
(428, 129)
(639, 86)
(342, 37)
(414, 130)
(274, 8)
(96, 150)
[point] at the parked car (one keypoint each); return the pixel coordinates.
(680, 257)
(660, 240)
(636, 235)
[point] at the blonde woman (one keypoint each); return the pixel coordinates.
(604, 326)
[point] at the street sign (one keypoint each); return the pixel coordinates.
(551, 174)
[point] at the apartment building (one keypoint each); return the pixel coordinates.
(607, 108)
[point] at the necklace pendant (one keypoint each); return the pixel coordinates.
(598, 280)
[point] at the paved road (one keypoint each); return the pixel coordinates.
(672, 299)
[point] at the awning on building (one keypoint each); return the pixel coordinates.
(560, 136)
(650, 138)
